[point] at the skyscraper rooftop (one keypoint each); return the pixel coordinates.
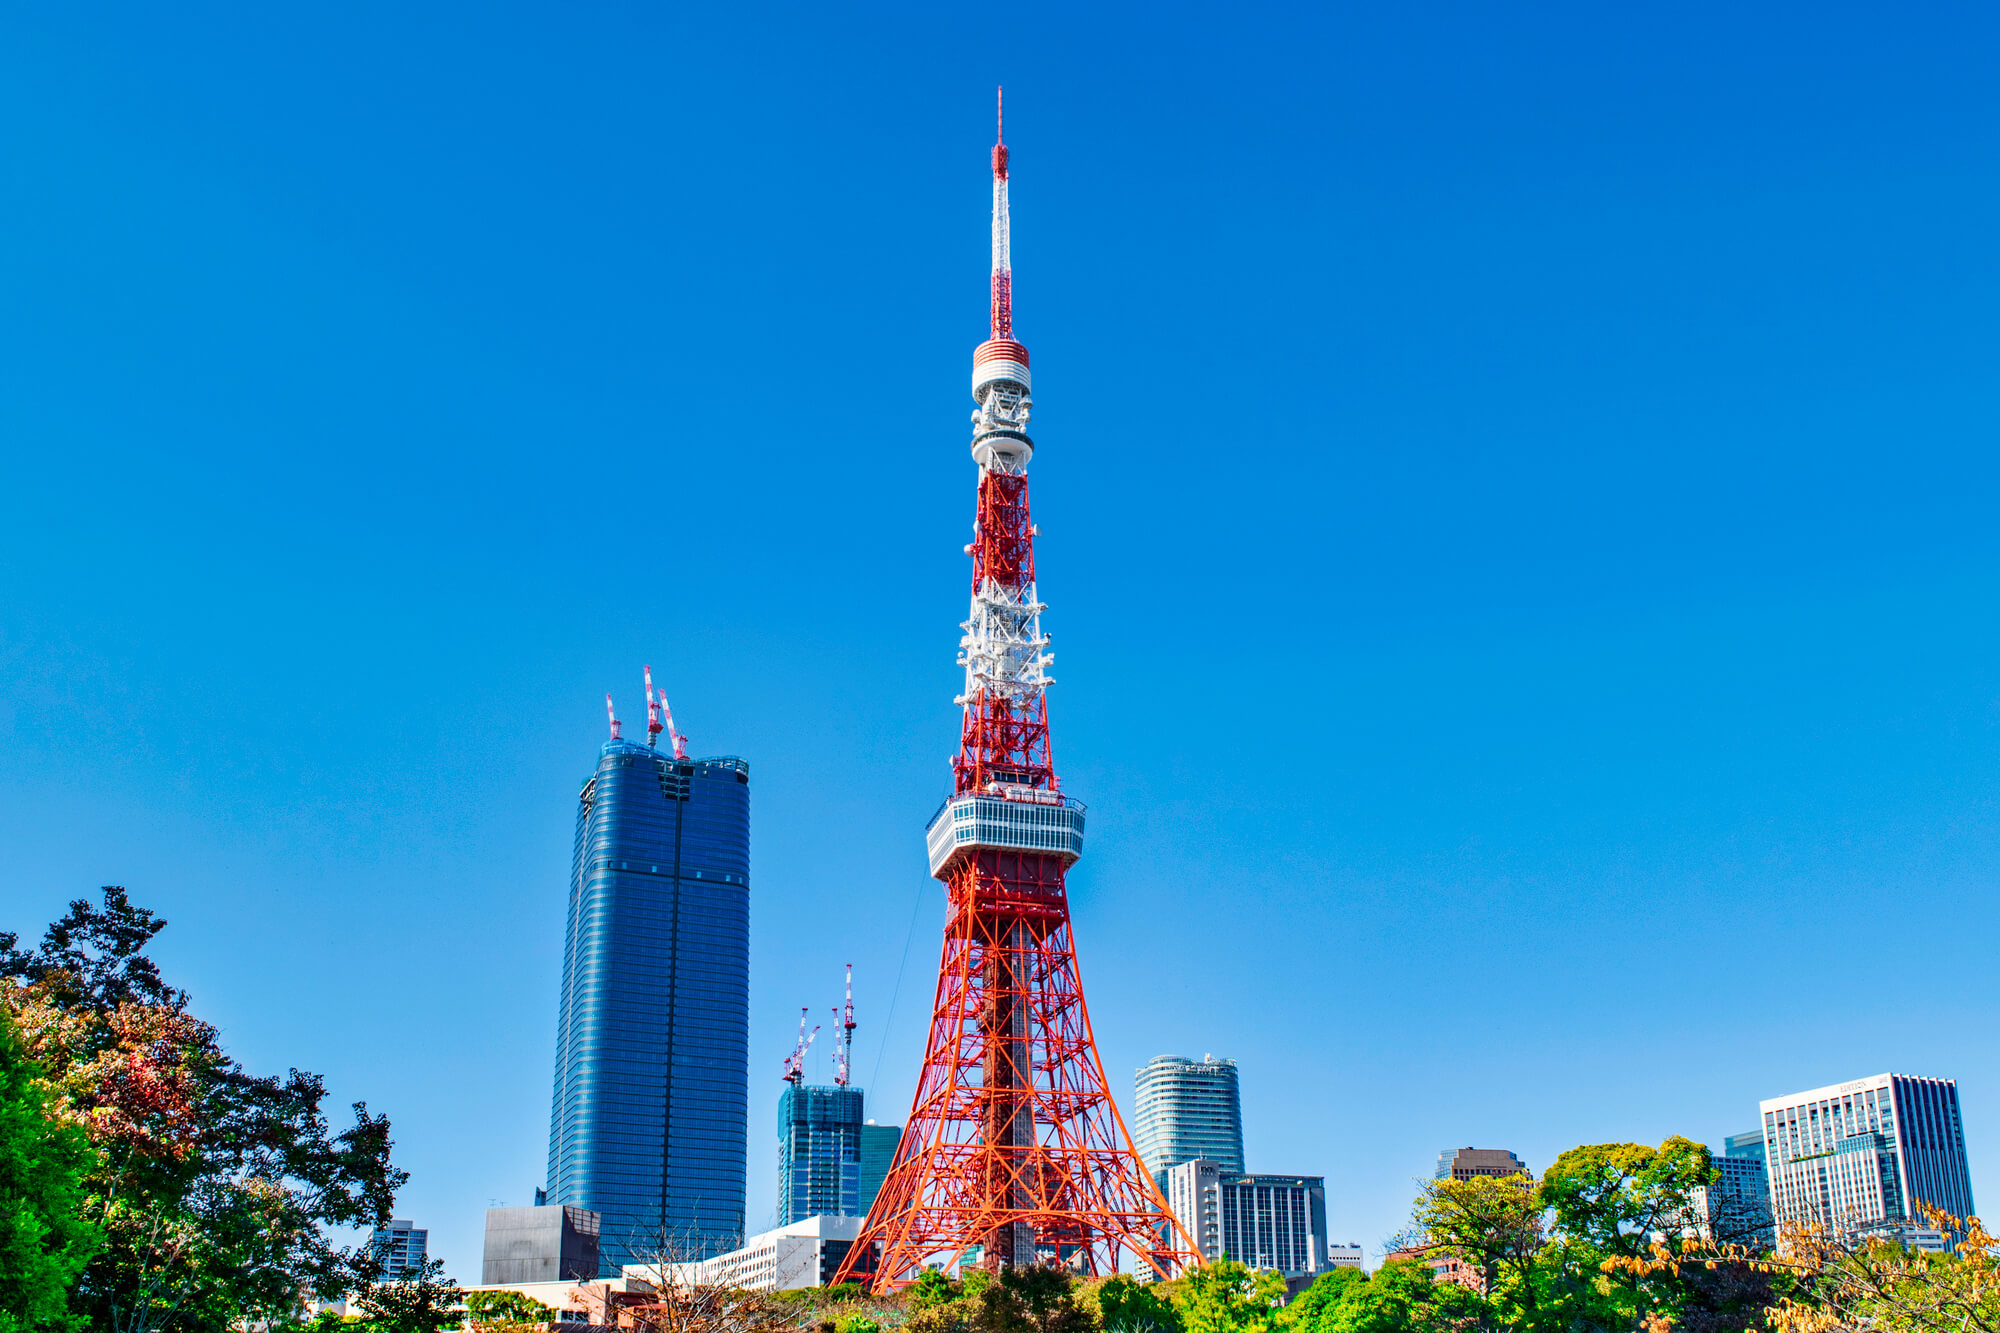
(1188, 1109)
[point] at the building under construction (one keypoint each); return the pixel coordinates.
(652, 1036)
(1014, 1152)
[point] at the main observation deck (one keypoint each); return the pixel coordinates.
(1020, 819)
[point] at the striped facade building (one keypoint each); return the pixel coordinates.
(1858, 1158)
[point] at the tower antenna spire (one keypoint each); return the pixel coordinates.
(1003, 261)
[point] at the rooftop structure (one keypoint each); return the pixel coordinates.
(1465, 1163)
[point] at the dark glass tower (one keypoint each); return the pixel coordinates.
(652, 1042)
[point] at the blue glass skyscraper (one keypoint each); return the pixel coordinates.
(652, 1043)
(819, 1152)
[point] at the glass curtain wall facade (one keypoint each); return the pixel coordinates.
(652, 1037)
(878, 1154)
(1187, 1109)
(1859, 1157)
(819, 1153)
(1264, 1221)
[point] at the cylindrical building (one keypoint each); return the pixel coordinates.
(1188, 1109)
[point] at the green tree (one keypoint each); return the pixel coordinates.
(492, 1310)
(214, 1188)
(423, 1301)
(1492, 1224)
(1118, 1304)
(1402, 1296)
(45, 1240)
(1227, 1297)
(1607, 1201)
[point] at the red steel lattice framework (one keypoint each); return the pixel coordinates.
(1014, 1147)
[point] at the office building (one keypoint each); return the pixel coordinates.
(878, 1152)
(1187, 1109)
(805, 1253)
(542, 1244)
(1736, 1208)
(1343, 1256)
(1465, 1163)
(1265, 1221)
(400, 1247)
(1749, 1144)
(650, 1109)
(1859, 1158)
(819, 1152)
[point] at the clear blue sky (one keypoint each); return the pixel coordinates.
(1517, 483)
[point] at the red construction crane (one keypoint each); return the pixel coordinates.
(613, 716)
(842, 1060)
(652, 712)
(795, 1063)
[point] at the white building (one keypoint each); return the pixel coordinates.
(1858, 1158)
(1343, 1256)
(1264, 1221)
(803, 1254)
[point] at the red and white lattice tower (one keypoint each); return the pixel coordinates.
(1013, 1149)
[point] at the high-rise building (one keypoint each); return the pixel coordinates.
(878, 1150)
(819, 1152)
(1735, 1208)
(1749, 1144)
(540, 1244)
(1186, 1109)
(1465, 1163)
(651, 1098)
(1858, 1158)
(400, 1246)
(1264, 1221)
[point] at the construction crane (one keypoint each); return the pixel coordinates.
(844, 1052)
(612, 715)
(795, 1063)
(680, 742)
(652, 712)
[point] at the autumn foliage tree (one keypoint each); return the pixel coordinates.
(213, 1189)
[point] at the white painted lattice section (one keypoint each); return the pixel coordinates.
(1004, 651)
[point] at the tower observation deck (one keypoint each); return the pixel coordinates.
(1014, 1152)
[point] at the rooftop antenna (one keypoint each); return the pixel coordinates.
(652, 712)
(841, 1070)
(613, 716)
(795, 1063)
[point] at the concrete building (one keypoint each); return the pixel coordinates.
(805, 1253)
(1465, 1163)
(819, 1152)
(1265, 1221)
(1344, 1256)
(1187, 1109)
(545, 1244)
(650, 1108)
(878, 1152)
(400, 1246)
(1858, 1158)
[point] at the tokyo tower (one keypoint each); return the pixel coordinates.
(1014, 1151)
